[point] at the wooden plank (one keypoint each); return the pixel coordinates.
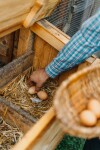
(43, 53)
(25, 42)
(4, 26)
(13, 69)
(50, 137)
(14, 118)
(41, 9)
(50, 34)
(10, 30)
(41, 133)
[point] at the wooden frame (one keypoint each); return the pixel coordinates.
(47, 132)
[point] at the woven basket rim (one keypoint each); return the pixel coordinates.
(82, 131)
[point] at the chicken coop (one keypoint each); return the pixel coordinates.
(29, 42)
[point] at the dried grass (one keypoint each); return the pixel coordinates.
(17, 93)
(9, 135)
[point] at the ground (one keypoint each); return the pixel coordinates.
(71, 143)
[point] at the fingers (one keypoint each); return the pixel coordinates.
(29, 83)
(38, 77)
(38, 86)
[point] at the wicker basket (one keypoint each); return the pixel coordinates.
(72, 97)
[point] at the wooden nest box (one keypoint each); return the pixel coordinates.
(37, 44)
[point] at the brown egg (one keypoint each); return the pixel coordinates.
(88, 118)
(94, 106)
(42, 95)
(32, 90)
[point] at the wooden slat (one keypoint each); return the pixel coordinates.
(43, 53)
(50, 34)
(25, 42)
(50, 138)
(10, 30)
(41, 132)
(13, 69)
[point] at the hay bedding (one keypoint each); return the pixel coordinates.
(9, 135)
(17, 93)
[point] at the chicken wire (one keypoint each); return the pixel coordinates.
(70, 14)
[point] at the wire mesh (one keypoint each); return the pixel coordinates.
(70, 14)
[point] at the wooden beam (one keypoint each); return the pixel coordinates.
(50, 34)
(25, 42)
(41, 133)
(13, 69)
(10, 30)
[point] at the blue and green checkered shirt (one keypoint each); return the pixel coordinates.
(81, 46)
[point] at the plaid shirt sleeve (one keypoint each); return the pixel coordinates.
(81, 46)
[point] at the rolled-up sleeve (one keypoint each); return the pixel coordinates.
(81, 46)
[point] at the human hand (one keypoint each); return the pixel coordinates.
(38, 77)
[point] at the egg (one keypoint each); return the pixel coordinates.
(42, 95)
(88, 118)
(32, 90)
(94, 106)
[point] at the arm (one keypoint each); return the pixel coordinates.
(82, 45)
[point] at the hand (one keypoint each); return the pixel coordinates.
(38, 77)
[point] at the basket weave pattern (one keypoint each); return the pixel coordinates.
(72, 97)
